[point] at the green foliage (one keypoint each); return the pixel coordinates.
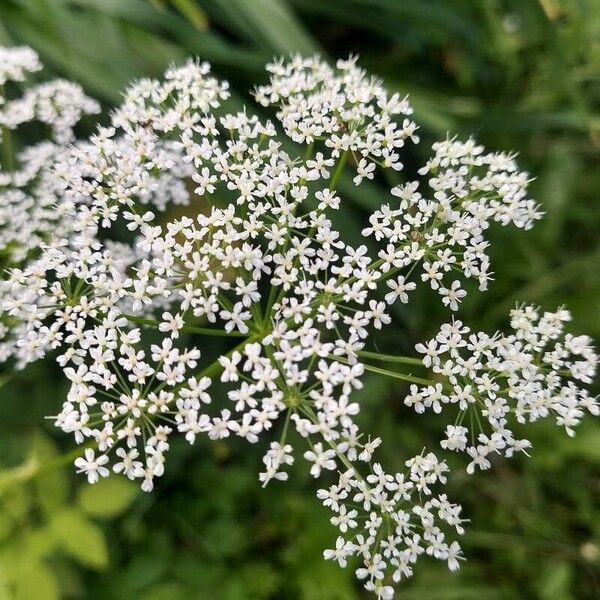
(79, 538)
(519, 74)
(107, 499)
(44, 530)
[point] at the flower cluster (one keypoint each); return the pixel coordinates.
(33, 208)
(445, 231)
(343, 108)
(530, 374)
(145, 156)
(59, 104)
(16, 62)
(255, 257)
(396, 528)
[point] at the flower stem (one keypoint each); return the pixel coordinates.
(405, 360)
(338, 170)
(8, 157)
(402, 376)
(7, 150)
(188, 328)
(33, 469)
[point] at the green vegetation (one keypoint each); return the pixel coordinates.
(520, 74)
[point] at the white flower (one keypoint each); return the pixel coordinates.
(92, 466)
(454, 555)
(171, 324)
(339, 554)
(321, 459)
(531, 373)
(453, 295)
(16, 62)
(456, 438)
(399, 287)
(327, 199)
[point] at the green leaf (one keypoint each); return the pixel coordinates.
(107, 498)
(268, 23)
(80, 538)
(167, 591)
(36, 582)
(192, 12)
(38, 543)
(53, 487)
(554, 581)
(9, 478)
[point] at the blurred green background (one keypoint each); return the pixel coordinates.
(522, 75)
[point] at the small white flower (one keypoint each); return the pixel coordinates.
(92, 466)
(321, 459)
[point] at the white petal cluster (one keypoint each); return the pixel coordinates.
(255, 258)
(342, 107)
(388, 521)
(535, 372)
(148, 152)
(51, 301)
(127, 401)
(59, 104)
(445, 228)
(33, 208)
(16, 62)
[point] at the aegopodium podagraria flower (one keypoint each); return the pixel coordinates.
(16, 63)
(342, 107)
(31, 203)
(533, 373)
(33, 207)
(256, 259)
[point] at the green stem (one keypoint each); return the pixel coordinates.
(32, 469)
(4, 379)
(309, 151)
(7, 150)
(286, 425)
(405, 360)
(8, 156)
(270, 303)
(402, 376)
(188, 328)
(338, 170)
